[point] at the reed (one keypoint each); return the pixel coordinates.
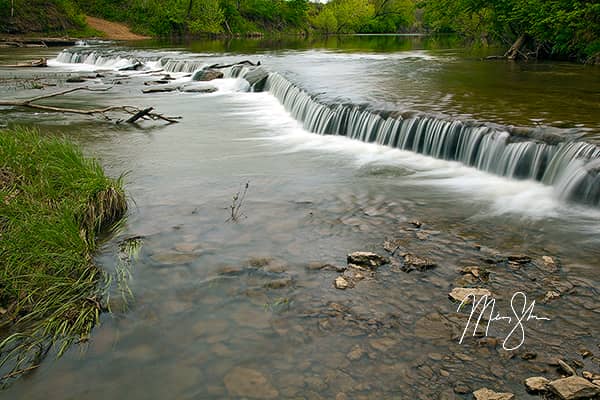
(54, 203)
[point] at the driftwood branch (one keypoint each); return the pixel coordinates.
(136, 112)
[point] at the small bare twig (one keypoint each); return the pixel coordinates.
(236, 204)
(29, 103)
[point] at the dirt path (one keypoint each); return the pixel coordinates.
(113, 30)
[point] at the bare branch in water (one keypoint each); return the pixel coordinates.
(132, 110)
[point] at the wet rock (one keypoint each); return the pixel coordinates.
(367, 259)
(187, 247)
(198, 89)
(475, 271)
(487, 394)
(157, 82)
(529, 355)
(548, 260)
(466, 294)
(461, 388)
(207, 75)
(536, 384)
(341, 283)
(392, 245)
(422, 236)
(412, 262)
(566, 368)
(257, 78)
(230, 270)
(551, 295)
(245, 382)
(416, 223)
(585, 353)
(590, 376)
(519, 258)
(160, 89)
(382, 344)
(279, 283)
(356, 353)
(574, 387)
(75, 79)
(341, 396)
(326, 267)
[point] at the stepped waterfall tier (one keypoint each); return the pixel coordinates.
(571, 167)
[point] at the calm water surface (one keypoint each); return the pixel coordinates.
(219, 304)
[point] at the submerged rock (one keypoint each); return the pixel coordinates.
(487, 394)
(536, 384)
(245, 382)
(574, 387)
(367, 259)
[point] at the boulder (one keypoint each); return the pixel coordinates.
(249, 383)
(487, 394)
(574, 387)
(207, 75)
(536, 384)
(367, 259)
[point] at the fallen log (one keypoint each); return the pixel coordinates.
(105, 111)
(140, 114)
(245, 62)
(515, 50)
(42, 62)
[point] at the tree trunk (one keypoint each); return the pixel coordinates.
(515, 50)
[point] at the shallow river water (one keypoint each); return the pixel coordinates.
(240, 309)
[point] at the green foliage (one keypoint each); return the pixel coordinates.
(179, 17)
(53, 203)
(373, 16)
(60, 16)
(563, 28)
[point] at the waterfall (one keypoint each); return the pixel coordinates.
(572, 168)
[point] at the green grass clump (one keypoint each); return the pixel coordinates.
(53, 204)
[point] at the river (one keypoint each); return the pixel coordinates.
(228, 309)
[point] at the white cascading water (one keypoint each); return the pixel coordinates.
(572, 168)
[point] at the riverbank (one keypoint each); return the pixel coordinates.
(53, 204)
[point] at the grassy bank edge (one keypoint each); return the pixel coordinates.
(54, 203)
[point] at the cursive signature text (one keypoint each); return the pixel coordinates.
(487, 304)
